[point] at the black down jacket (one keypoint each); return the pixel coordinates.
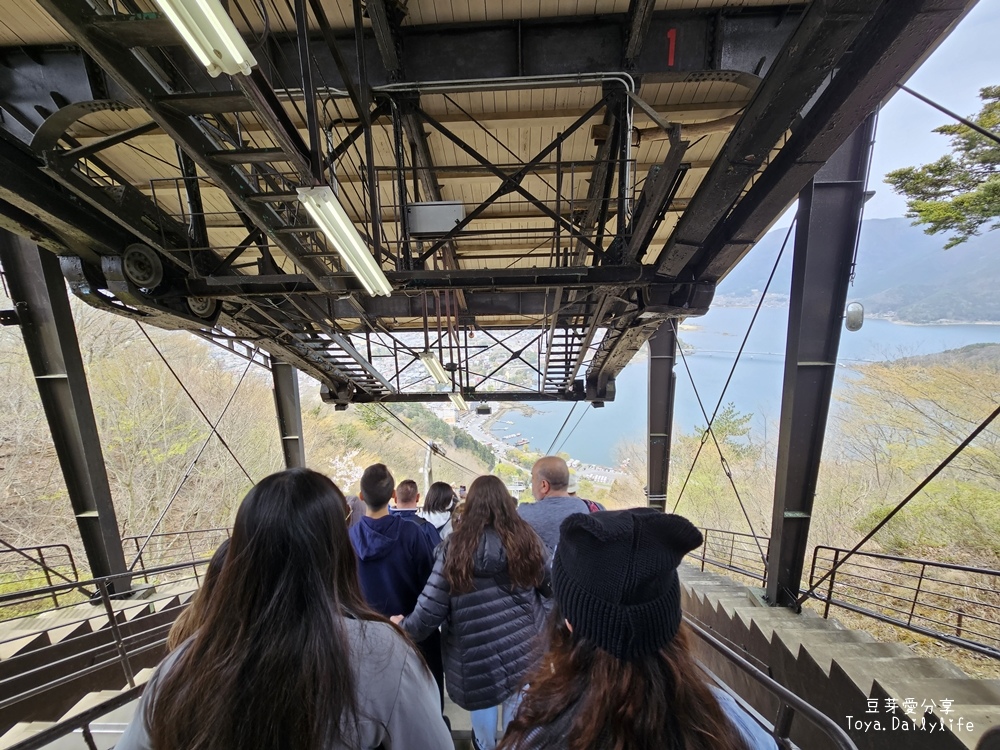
(489, 635)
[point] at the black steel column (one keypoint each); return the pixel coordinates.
(286, 404)
(39, 294)
(662, 380)
(829, 216)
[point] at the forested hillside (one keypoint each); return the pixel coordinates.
(891, 424)
(902, 274)
(151, 434)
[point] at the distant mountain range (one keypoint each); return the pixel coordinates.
(902, 274)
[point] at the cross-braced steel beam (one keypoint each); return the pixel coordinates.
(289, 412)
(662, 384)
(826, 237)
(38, 291)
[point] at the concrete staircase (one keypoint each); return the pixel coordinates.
(105, 732)
(837, 671)
(41, 649)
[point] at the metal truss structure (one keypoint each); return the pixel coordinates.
(609, 170)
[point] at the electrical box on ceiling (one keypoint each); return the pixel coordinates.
(434, 218)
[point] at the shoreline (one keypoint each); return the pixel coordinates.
(874, 316)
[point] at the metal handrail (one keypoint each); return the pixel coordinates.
(64, 552)
(790, 702)
(119, 649)
(80, 720)
(883, 599)
(96, 582)
(141, 542)
(733, 560)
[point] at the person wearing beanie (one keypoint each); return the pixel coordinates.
(619, 671)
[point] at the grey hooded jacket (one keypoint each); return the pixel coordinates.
(489, 635)
(397, 698)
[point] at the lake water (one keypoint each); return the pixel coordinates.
(756, 385)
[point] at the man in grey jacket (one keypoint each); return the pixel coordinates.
(553, 503)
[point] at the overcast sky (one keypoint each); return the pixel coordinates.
(952, 76)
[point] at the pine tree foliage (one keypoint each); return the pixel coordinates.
(960, 192)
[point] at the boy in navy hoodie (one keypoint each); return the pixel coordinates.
(395, 558)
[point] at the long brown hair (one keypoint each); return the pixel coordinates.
(489, 504)
(270, 667)
(582, 698)
(190, 619)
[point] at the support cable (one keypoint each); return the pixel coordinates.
(725, 464)
(423, 442)
(196, 406)
(585, 413)
(194, 463)
(565, 421)
(736, 361)
(964, 120)
(878, 527)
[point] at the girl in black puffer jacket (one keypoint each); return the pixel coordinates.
(485, 593)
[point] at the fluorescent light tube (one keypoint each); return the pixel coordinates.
(458, 401)
(330, 216)
(434, 367)
(211, 34)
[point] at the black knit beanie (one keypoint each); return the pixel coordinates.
(615, 577)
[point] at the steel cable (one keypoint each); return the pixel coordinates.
(204, 445)
(722, 458)
(736, 361)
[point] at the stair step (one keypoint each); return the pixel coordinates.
(863, 671)
(22, 731)
(963, 691)
(89, 701)
(29, 642)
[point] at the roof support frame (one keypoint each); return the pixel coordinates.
(510, 182)
(146, 88)
(822, 37)
(897, 40)
(660, 412)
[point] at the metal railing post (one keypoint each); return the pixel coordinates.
(72, 564)
(191, 550)
(916, 594)
(829, 588)
(48, 575)
(704, 549)
(117, 633)
(783, 724)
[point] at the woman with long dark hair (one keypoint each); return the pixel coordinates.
(439, 504)
(485, 592)
(619, 672)
(190, 619)
(288, 654)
